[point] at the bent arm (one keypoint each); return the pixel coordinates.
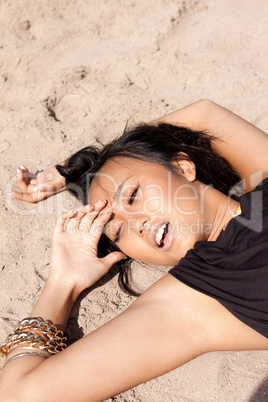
(242, 144)
(152, 337)
(166, 327)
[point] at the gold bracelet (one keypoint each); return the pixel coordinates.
(36, 333)
(51, 344)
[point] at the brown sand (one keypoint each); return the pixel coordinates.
(74, 69)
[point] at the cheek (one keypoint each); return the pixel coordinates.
(153, 205)
(186, 200)
(135, 249)
(156, 199)
(144, 253)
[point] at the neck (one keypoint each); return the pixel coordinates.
(219, 209)
(223, 210)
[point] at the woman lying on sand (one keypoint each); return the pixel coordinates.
(158, 194)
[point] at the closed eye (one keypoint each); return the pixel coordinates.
(106, 224)
(133, 194)
(117, 235)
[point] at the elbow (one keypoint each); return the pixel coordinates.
(205, 109)
(205, 101)
(206, 104)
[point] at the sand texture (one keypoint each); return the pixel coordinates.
(71, 70)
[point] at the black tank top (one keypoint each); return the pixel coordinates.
(234, 268)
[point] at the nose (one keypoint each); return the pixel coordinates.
(142, 225)
(137, 223)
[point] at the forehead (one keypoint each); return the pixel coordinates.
(114, 172)
(106, 181)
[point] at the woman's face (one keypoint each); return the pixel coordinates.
(157, 215)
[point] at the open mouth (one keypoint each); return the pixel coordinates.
(161, 234)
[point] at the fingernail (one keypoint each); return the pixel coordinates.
(106, 213)
(10, 193)
(22, 167)
(35, 188)
(18, 171)
(90, 207)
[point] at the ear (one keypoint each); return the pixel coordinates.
(185, 166)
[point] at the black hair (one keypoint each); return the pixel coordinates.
(161, 144)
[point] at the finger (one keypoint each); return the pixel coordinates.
(91, 214)
(60, 222)
(99, 205)
(74, 223)
(26, 175)
(23, 179)
(112, 258)
(97, 226)
(22, 196)
(21, 182)
(80, 213)
(31, 197)
(88, 217)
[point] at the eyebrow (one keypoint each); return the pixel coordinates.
(119, 189)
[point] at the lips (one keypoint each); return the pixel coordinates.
(161, 235)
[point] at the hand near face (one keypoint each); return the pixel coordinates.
(74, 257)
(37, 186)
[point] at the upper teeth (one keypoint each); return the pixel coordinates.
(159, 234)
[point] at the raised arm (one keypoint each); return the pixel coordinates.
(242, 144)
